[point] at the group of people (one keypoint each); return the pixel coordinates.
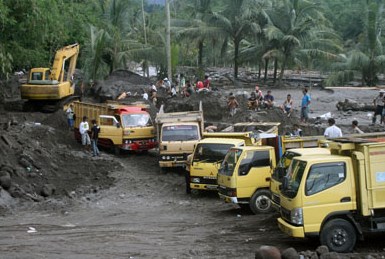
(258, 100)
(182, 87)
(87, 141)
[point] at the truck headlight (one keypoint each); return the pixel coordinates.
(195, 180)
(296, 216)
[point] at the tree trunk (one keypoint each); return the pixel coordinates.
(266, 67)
(200, 53)
(259, 70)
(282, 70)
(275, 70)
(168, 40)
(236, 56)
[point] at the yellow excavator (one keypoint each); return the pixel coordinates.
(49, 89)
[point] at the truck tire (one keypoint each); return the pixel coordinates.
(339, 236)
(260, 202)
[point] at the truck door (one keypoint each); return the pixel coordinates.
(110, 129)
(254, 172)
(327, 189)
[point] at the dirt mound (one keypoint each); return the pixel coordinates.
(121, 81)
(39, 158)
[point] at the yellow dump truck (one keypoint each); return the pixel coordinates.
(208, 154)
(338, 197)
(291, 147)
(177, 134)
(127, 127)
(244, 177)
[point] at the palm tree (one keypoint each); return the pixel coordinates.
(298, 29)
(235, 22)
(367, 56)
(195, 26)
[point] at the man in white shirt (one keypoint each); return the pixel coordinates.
(83, 129)
(332, 131)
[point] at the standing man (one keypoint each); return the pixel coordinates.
(83, 129)
(379, 107)
(306, 100)
(94, 138)
(332, 131)
(70, 116)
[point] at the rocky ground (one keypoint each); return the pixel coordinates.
(56, 201)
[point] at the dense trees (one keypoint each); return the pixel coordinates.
(344, 38)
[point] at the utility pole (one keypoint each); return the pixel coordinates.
(168, 41)
(145, 63)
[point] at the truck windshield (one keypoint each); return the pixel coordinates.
(230, 161)
(283, 163)
(294, 177)
(136, 120)
(180, 133)
(211, 152)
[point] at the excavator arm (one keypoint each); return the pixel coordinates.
(70, 53)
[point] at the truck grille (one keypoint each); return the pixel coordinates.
(204, 180)
(173, 157)
(275, 198)
(229, 192)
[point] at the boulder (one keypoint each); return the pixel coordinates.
(267, 252)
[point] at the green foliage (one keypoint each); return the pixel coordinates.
(112, 33)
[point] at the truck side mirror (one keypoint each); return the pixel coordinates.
(118, 125)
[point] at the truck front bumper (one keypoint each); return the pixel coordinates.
(208, 187)
(290, 229)
(228, 199)
(172, 164)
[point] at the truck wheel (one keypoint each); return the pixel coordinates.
(338, 235)
(260, 202)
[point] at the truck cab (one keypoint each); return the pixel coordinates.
(244, 177)
(281, 169)
(177, 134)
(205, 161)
(338, 197)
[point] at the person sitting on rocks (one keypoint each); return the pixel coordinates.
(259, 94)
(356, 129)
(268, 100)
(287, 106)
(188, 90)
(252, 102)
(297, 131)
(153, 96)
(233, 104)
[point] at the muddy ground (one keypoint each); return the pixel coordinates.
(56, 201)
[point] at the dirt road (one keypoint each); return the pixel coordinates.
(145, 215)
